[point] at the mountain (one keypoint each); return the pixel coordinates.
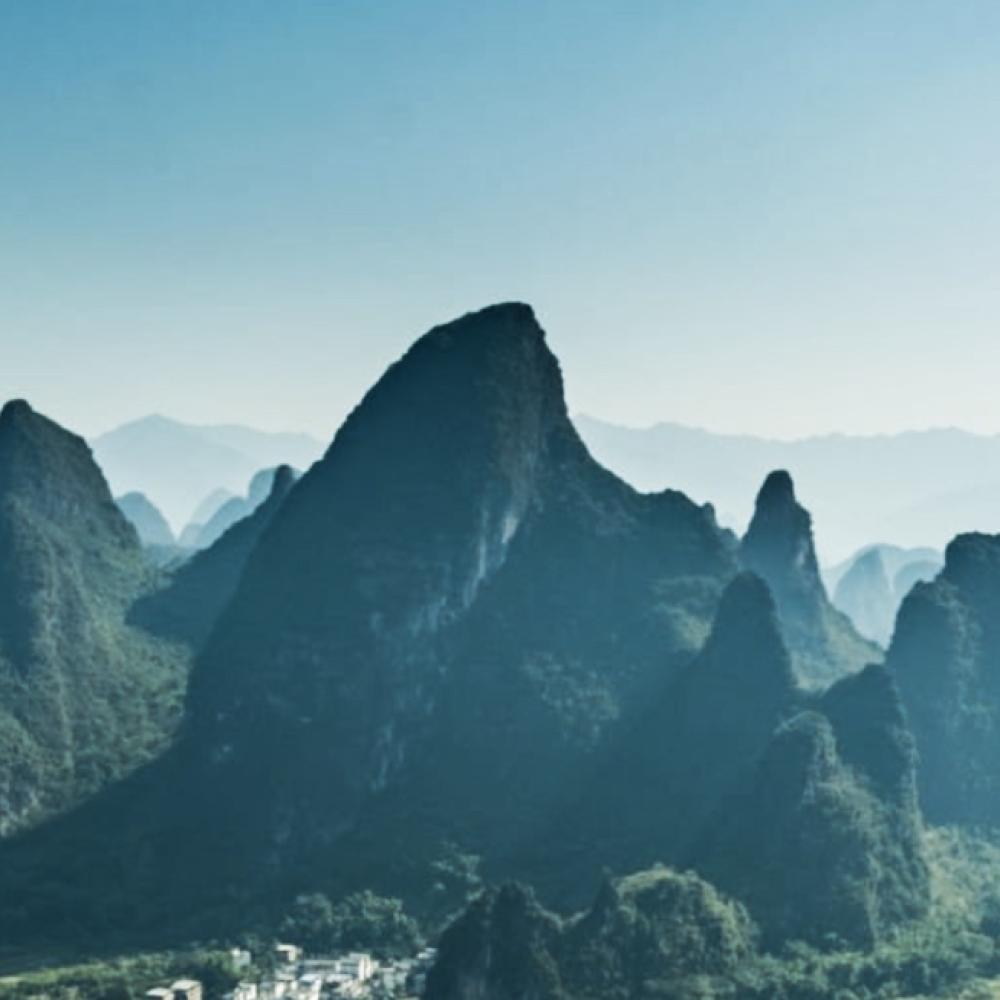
(692, 744)
(150, 524)
(455, 628)
(233, 509)
(208, 507)
(196, 593)
(177, 465)
(944, 654)
(826, 840)
(778, 546)
(895, 560)
(451, 610)
(911, 489)
(656, 933)
(84, 698)
(865, 595)
(446, 620)
(869, 587)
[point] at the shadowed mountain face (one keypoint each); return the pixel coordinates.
(187, 606)
(778, 546)
(945, 655)
(686, 751)
(83, 698)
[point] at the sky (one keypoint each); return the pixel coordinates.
(771, 217)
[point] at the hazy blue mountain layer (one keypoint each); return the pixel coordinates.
(910, 489)
(193, 596)
(148, 522)
(233, 509)
(177, 465)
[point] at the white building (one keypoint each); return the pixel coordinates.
(186, 989)
(289, 954)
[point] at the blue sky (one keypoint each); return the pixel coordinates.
(780, 217)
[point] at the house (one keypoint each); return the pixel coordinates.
(289, 954)
(186, 989)
(358, 965)
(159, 993)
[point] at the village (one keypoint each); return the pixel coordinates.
(328, 977)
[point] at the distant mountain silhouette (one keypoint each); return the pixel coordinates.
(232, 510)
(196, 592)
(910, 489)
(177, 465)
(146, 519)
(870, 586)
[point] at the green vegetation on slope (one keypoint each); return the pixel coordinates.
(84, 698)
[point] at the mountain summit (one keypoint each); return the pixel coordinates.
(455, 549)
(778, 546)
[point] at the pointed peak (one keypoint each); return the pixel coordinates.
(867, 715)
(778, 490)
(745, 643)
(507, 320)
(17, 413)
(972, 558)
(745, 592)
(284, 477)
(14, 408)
(19, 422)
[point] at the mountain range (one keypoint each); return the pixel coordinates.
(459, 644)
(178, 465)
(917, 488)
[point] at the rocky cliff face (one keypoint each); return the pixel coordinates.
(944, 655)
(84, 699)
(778, 546)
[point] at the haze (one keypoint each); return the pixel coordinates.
(778, 218)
